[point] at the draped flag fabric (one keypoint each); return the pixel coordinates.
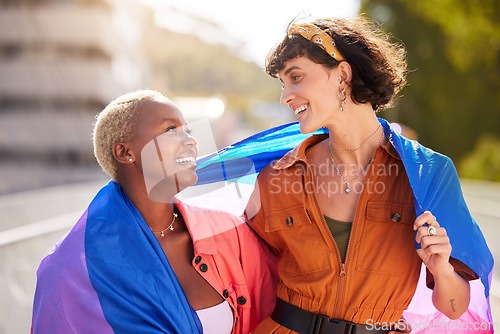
(226, 181)
(97, 285)
(91, 283)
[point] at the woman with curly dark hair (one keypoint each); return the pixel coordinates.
(339, 209)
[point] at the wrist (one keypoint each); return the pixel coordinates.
(445, 273)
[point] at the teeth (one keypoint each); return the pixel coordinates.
(300, 109)
(184, 160)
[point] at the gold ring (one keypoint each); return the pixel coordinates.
(431, 230)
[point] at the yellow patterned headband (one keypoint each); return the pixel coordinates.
(318, 37)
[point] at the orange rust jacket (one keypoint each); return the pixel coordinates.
(381, 270)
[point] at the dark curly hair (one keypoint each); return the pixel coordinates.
(378, 65)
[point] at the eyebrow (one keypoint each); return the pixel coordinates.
(290, 69)
(176, 121)
(168, 119)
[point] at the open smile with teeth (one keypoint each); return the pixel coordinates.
(300, 109)
(185, 160)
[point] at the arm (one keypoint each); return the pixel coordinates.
(260, 268)
(451, 294)
(260, 265)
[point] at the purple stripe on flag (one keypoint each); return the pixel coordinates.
(65, 301)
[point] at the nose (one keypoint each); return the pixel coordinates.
(189, 140)
(287, 95)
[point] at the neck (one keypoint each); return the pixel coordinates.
(354, 128)
(157, 215)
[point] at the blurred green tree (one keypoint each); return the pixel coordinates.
(472, 29)
(484, 162)
(453, 95)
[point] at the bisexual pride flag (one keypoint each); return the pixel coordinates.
(110, 275)
(83, 299)
(226, 180)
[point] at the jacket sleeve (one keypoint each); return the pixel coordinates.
(260, 268)
(461, 269)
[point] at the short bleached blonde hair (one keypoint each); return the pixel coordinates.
(116, 124)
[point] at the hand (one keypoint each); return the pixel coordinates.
(435, 249)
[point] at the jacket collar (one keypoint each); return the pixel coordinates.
(389, 148)
(299, 152)
(199, 228)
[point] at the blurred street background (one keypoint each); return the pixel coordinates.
(62, 61)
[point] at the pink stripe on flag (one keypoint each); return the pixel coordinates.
(423, 317)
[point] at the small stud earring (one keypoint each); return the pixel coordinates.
(130, 159)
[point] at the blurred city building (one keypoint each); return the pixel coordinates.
(61, 62)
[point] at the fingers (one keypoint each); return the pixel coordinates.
(435, 247)
(425, 218)
(423, 235)
(442, 249)
(427, 225)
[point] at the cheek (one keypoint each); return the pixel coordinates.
(326, 100)
(330, 89)
(167, 147)
(157, 158)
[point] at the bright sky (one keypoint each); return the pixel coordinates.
(252, 26)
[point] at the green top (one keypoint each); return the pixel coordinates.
(340, 232)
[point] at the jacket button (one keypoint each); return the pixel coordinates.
(289, 221)
(203, 267)
(225, 293)
(395, 217)
(241, 300)
(197, 260)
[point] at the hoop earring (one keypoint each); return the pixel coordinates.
(342, 99)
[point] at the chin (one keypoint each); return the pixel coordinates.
(306, 129)
(162, 192)
(186, 178)
(166, 189)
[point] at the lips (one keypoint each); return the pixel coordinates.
(186, 158)
(300, 110)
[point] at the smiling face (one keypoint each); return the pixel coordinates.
(310, 90)
(166, 148)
